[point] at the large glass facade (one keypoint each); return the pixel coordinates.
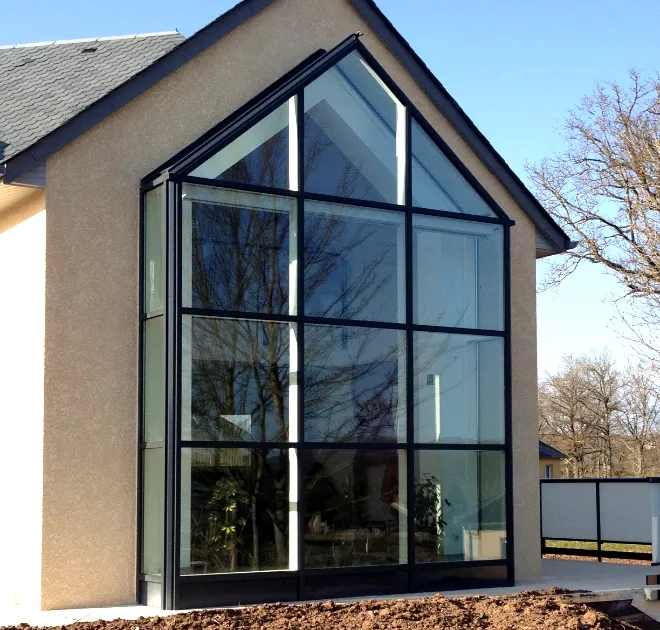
(324, 380)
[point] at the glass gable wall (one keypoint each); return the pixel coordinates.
(324, 359)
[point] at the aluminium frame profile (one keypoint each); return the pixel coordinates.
(173, 180)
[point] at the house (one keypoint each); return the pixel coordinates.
(268, 328)
(549, 461)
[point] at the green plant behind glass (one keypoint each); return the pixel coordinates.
(428, 510)
(225, 524)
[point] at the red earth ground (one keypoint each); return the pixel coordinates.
(526, 611)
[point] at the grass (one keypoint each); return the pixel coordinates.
(579, 544)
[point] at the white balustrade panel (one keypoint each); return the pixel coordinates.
(569, 511)
(625, 512)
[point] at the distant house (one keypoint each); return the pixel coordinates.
(549, 461)
(270, 328)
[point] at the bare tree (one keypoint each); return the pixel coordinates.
(603, 190)
(606, 421)
(640, 421)
(564, 419)
(603, 405)
(604, 187)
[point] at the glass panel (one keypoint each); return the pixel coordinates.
(460, 506)
(153, 379)
(354, 384)
(354, 132)
(458, 273)
(235, 381)
(259, 156)
(154, 250)
(459, 389)
(355, 508)
(437, 183)
(237, 251)
(236, 510)
(153, 485)
(354, 263)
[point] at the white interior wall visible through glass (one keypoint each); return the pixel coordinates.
(458, 273)
(354, 135)
(266, 154)
(459, 388)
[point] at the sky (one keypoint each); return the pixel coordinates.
(516, 67)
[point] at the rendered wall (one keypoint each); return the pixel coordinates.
(22, 295)
(92, 296)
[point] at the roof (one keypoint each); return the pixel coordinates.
(45, 85)
(548, 452)
(41, 147)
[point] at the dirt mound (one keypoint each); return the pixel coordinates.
(524, 612)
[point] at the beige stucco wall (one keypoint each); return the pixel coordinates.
(22, 296)
(92, 295)
(556, 467)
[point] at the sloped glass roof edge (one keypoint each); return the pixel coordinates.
(254, 110)
(437, 180)
(285, 88)
(443, 147)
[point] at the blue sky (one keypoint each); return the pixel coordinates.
(515, 67)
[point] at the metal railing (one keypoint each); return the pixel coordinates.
(602, 512)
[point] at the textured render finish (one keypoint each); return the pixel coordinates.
(92, 296)
(44, 85)
(526, 511)
(22, 293)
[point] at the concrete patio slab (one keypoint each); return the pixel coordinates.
(598, 577)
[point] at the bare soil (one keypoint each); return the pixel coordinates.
(526, 611)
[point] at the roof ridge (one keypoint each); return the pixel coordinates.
(57, 42)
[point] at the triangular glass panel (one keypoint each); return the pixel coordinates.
(260, 156)
(354, 135)
(437, 184)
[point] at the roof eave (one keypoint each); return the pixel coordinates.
(46, 146)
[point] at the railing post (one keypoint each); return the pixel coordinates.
(541, 515)
(655, 520)
(598, 535)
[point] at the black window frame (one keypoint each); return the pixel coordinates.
(175, 591)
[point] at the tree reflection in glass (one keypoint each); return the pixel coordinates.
(239, 510)
(237, 250)
(354, 384)
(238, 384)
(354, 267)
(258, 156)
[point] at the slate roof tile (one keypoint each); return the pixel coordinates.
(42, 86)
